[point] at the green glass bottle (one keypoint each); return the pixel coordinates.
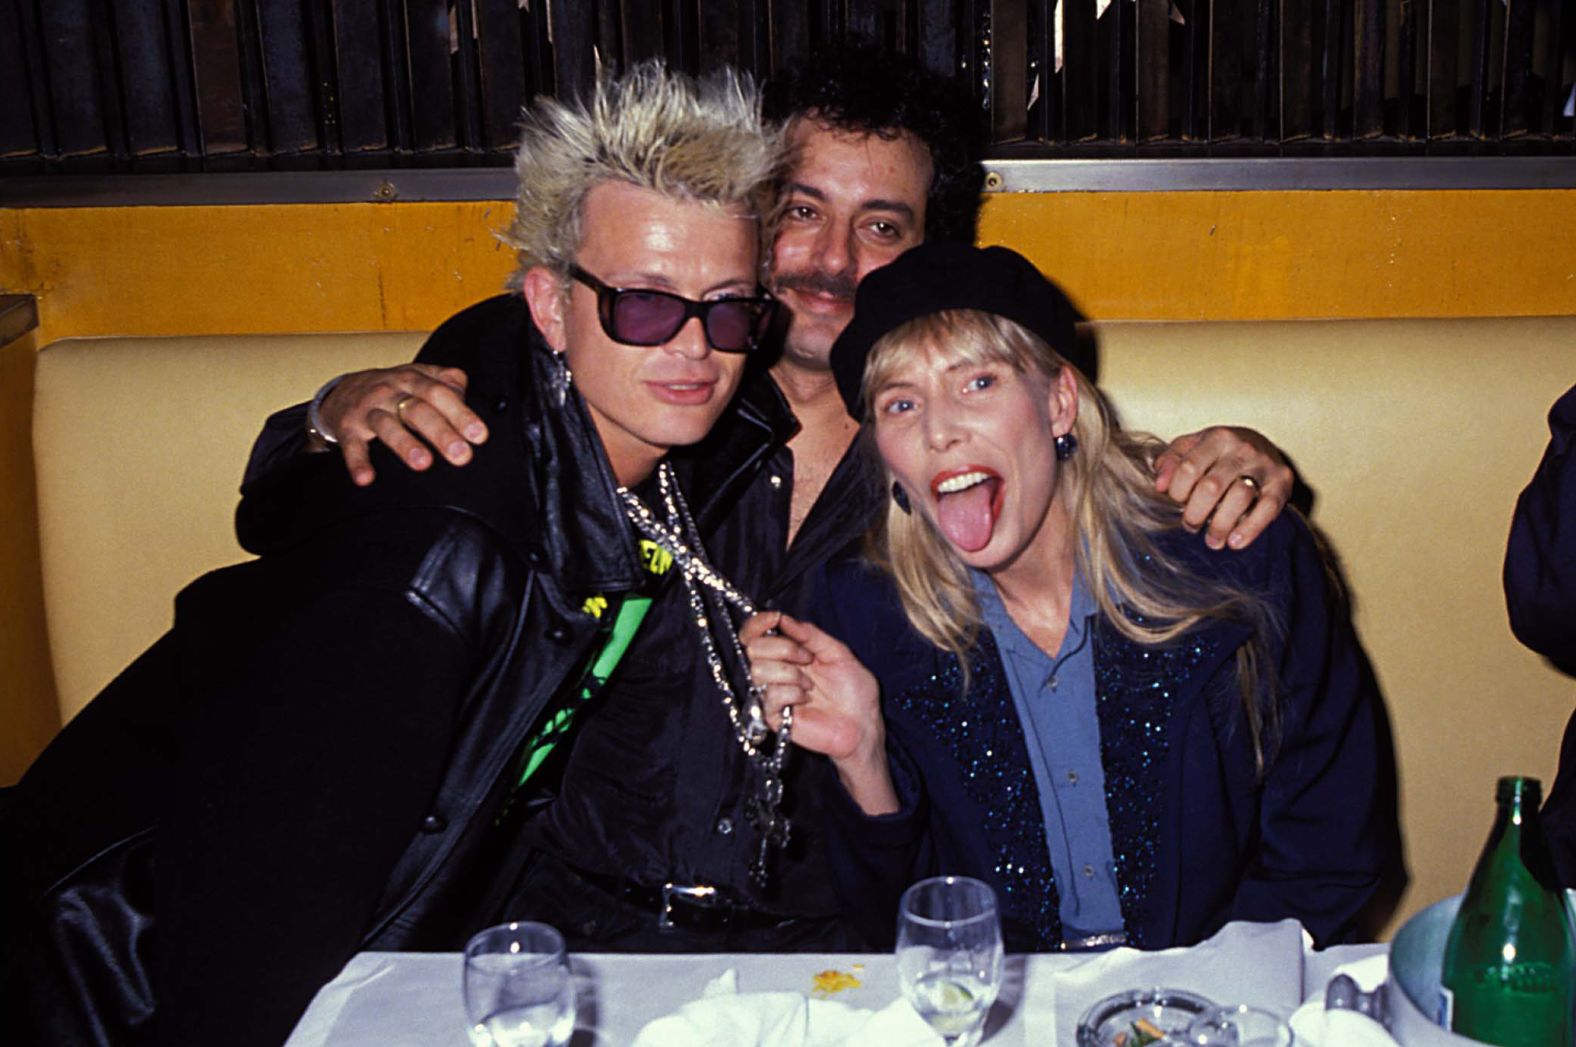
(1510, 965)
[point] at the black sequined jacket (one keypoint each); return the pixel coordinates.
(1199, 838)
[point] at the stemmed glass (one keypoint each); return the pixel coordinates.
(518, 990)
(949, 955)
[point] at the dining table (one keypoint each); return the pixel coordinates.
(395, 999)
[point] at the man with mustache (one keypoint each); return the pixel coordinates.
(655, 838)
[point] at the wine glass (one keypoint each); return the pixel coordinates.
(949, 955)
(1238, 1025)
(518, 990)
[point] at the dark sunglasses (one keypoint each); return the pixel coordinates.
(633, 316)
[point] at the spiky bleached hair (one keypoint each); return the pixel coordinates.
(701, 140)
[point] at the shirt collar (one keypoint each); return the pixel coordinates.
(1005, 630)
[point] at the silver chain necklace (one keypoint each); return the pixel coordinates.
(765, 751)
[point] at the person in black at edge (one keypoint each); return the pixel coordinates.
(648, 842)
(1540, 593)
(326, 753)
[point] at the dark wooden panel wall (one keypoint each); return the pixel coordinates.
(104, 86)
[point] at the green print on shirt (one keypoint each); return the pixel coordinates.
(631, 612)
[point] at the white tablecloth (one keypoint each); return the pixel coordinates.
(399, 999)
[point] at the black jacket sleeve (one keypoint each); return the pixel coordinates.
(306, 768)
(1540, 560)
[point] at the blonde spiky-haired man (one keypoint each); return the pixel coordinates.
(339, 745)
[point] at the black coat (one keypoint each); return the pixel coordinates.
(311, 761)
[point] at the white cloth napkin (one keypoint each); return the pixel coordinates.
(725, 1017)
(1258, 963)
(1316, 1027)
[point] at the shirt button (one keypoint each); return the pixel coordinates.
(724, 826)
(1072, 777)
(1088, 872)
(1052, 683)
(776, 481)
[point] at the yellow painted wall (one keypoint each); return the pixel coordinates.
(405, 266)
(1298, 255)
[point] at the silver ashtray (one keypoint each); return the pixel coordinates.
(1127, 1018)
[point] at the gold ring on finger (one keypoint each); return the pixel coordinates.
(400, 404)
(1250, 483)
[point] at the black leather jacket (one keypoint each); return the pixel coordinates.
(490, 563)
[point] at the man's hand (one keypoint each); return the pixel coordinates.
(397, 405)
(1232, 479)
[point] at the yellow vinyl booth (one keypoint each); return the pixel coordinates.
(1415, 435)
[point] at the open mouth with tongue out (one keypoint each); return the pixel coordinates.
(968, 501)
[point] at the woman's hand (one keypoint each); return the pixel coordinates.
(836, 702)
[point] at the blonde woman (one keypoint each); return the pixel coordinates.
(1042, 680)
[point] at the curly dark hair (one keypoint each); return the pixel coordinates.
(861, 88)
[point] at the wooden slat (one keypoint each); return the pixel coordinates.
(1368, 69)
(1263, 102)
(790, 33)
(30, 38)
(1481, 27)
(536, 36)
(1043, 117)
(502, 71)
(183, 89)
(1332, 48)
(1298, 70)
(754, 37)
(1408, 111)
(106, 80)
(1118, 107)
(718, 32)
(463, 65)
(1443, 71)
(358, 61)
(1194, 55)
(287, 79)
(431, 75)
(1009, 59)
(681, 46)
(1152, 54)
(642, 26)
(1081, 71)
(574, 69)
(1561, 26)
(254, 83)
(72, 77)
(1226, 69)
(18, 135)
(1516, 102)
(216, 61)
(938, 35)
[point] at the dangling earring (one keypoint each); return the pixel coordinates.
(900, 496)
(1066, 446)
(560, 379)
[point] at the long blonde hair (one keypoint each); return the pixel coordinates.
(1108, 485)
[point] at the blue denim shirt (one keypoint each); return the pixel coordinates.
(1055, 700)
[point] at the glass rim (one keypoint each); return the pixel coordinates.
(552, 950)
(987, 913)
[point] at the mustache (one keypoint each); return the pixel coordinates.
(839, 285)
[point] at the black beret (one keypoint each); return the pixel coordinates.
(936, 276)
